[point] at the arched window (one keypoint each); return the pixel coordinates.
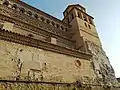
(6, 3)
(29, 13)
(85, 24)
(53, 23)
(48, 21)
(42, 18)
(62, 28)
(89, 26)
(57, 25)
(30, 35)
(84, 17)
(36, 16)
(79, 15)
(90, 20)
(22, 10)
(14, 6)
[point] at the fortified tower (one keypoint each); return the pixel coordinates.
(82, 24)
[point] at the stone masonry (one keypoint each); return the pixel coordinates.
(41, 52)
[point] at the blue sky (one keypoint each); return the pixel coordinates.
(107, 20)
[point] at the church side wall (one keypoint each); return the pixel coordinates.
(19, 62)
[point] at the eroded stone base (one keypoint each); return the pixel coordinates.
(24, 85)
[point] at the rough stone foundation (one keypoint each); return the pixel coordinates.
(28, 85)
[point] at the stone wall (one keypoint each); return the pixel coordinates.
(28, 68)
(101, 65)
(20, 62)
(21, 85)
(29, 64)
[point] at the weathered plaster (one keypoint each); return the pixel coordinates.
(19, 62)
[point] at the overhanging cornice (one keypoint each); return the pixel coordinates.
(24, 40)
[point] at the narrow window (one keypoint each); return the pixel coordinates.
(62, 27)
(89, 26)
(57, 25)
(85, 25)
(79, 15)
(72, 16)
(84, 17)
(68, 20)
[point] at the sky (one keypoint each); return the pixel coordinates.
(107, 21)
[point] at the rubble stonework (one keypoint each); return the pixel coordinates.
(101, 65)
(22, 85)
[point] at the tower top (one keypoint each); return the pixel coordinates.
(70, 7)
(82, 25)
